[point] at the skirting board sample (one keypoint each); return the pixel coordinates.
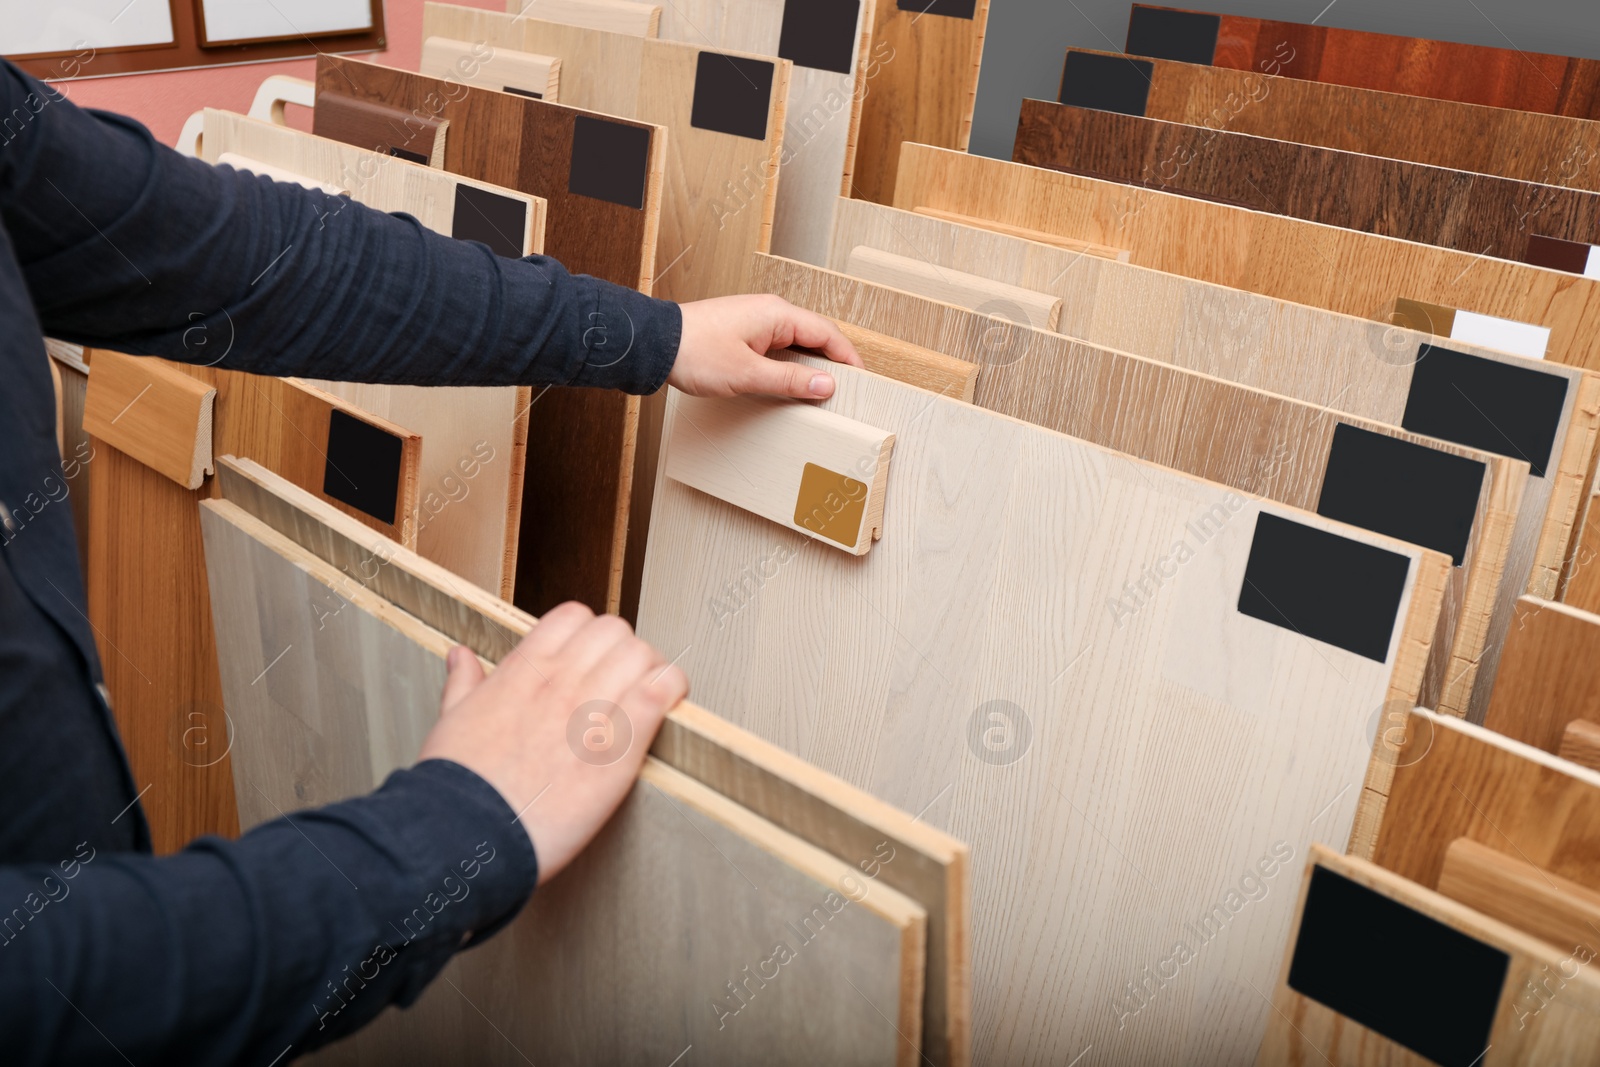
(1580, 744)
(979, 667)
(158, 416)
(1519, 894)
(1549, 149)
(350, 695)
(920, 85)
(1291, 259)
(885, 844)
(1257, 443)
(413, 136)
(1475, 213)
(912, 364)
(974, 291)
(1549, 673)
(602, 182)
(474, 452)
(513, 70)
(1338, 361)
(1498, 77)
(1347, 995)
(614, 16)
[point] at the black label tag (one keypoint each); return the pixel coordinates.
(1106, 83)
(610, 161)
(1323, 586)
(732, 95)
(407, 154)
(498, 221)
(1486, 404)
(820, 34)
(1357, 952)
(529, 93)
(1556, 254)
(1161, 33)
(363, 468)
(1402, 489)
(950, 9)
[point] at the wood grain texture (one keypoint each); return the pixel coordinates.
(1549, 149)
(1548, 673)
(615, 16)
(1416, 66)
(817, 808)
(921, 82)
(912, 364)
(1580, 581)
(1580, 743)
(1291, 259)
(156, 415)
(1524, 1029)
(1343, 362)
(577, 497)
(1118, 254)
(472, 466)
(1260, 444)
(1476, 213)
(509, 68)
(1521, 895)
(985, 608)
(972, 291)
(391, 131)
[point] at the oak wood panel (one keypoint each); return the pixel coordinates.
(1521, 895)
(1260, 444)
(1477, 74)
(1339, 361)
(1549, 149)
(1549, 673)
(1477, 213)
(583, 481)
(1580, 743)
(913, 364)
(154, 414)
(1290, 259)
(970, 669)
(1521, 1027)
(618, 16)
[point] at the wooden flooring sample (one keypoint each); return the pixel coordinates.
(616, 16)
(1475, 74)
(1259, 444)
(1580, 743)
(1521, 895)
(472, 466)
(1495, 996)
(601, 179)
(1549, 149)
(1476, 213)
(158, 416)
(350, 696)
(1549, 673)
(921, 83)
(1385, 373)
(993, 666)
(885, 843)
(1291, 259)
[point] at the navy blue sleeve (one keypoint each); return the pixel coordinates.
(236, 952)
(126, 244)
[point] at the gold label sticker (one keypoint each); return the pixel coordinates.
(1425, 318)
(830, 505)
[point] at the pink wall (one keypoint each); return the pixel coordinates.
(163, 101)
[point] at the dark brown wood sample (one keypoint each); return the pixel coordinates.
(1474, 74)
(1476, 213)
(601, 178)
(1550, 149)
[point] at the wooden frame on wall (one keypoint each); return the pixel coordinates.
(188, 48)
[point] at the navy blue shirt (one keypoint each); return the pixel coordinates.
(231, 951)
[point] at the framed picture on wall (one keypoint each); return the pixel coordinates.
(251, 21)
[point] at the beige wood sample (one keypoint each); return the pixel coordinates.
(1517, 893)
(972, 291)
(1089, 248)
(913, 364)
(1562, 1026)
(972, 669)
(1341, 270)
(927, 865)
(1549, 673)
(787, 461)
(515, 71)
(474, 439)
(614, 16)
(1257, 443)
(1580, 743)
(159, 416)
(1340, 361)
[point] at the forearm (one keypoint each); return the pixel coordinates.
(232, 952)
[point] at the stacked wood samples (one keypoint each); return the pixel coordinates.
(1548, 149)
(1549, 674)
(470, 503)
(336, 572)
(1474, 74)
(1476, 213)
(1338, 361)
(601, 179)
(1290, 259)
(1348, 994)
(1257, 443)
(993, 665)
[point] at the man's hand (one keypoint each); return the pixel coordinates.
(561, 726)
(726, 340)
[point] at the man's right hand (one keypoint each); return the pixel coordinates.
(561, 726)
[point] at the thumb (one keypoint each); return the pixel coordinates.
(465, 674)
(777, 377)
